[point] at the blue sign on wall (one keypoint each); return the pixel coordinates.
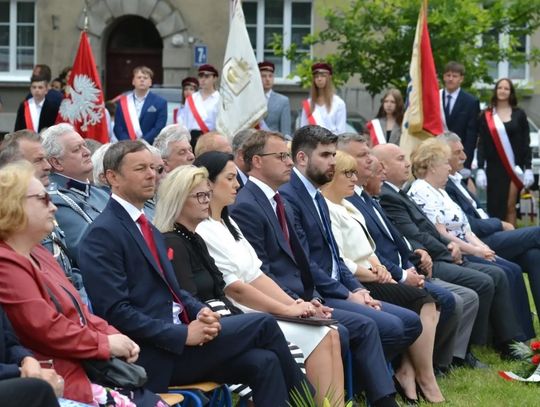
(200, 56)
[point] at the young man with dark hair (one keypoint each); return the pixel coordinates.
(37, 112)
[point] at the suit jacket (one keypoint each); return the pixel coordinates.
(414, 224)
(481, 227)
(463, 121)
(25, 293)
(279, 113)
(152, 119)
(389, 248)
(287, 265)
(11, 351)
(312, 235)
(395, 134)
(47, 117)
(128, 289)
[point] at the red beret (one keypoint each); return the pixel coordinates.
(208, 68)
(321, 66)
(267, 66)
(190, 81)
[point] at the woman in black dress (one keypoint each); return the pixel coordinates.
(502, 188)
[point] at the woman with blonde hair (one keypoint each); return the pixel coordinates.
(44, 308)
(324, 107)
(225, 267)
(358, 251)
(431, 169)
(386, 126)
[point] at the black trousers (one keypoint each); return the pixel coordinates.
(27, 392)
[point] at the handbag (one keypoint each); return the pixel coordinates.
(115, 372)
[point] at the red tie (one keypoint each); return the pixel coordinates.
(280, 211)
(148, 235)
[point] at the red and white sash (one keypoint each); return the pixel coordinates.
(30, 125)
(127, 105)
(196, 115)
(307, 110)
(503, 146)
(376, 132)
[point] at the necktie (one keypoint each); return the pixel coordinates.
(148, 235)
(323, 211)
(280, 212)
(448, 104)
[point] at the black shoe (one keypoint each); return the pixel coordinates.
(470, 362)
(408, 401)
(505, 352)
(386, 401)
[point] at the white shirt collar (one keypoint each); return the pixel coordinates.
(38, 105)
(267, 190)
(454, 94)
(312, 191)
(358, 190)
(134, 213)
(456, 178)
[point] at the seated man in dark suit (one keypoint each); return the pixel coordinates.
(78, 202)
(266, 223)
(457, 318)
(521, 246)
(313, 150)
(131, 282)
(489, 282)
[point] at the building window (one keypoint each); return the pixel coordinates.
(17, 37)
(518, 72)
(292, 19)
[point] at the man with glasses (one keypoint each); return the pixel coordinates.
(200, 113)
(141, 113)
(261, 215)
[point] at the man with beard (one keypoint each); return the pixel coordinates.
(313, 153)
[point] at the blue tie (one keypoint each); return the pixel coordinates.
(323, 211)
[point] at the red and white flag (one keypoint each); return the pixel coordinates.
(84, 107)
(422, 117)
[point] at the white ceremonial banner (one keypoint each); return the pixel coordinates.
(243, 103)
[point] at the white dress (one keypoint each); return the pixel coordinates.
(238, 261)
(334, 120)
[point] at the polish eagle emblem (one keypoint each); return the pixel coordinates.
(83, 104)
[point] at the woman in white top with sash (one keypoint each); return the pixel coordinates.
(190, 85)
(324, 107)
(250, 289)
(386, 126)
(199, 114)
(503, 149)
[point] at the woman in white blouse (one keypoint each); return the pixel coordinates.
(250, 289)
(358, 252)
(324, 107)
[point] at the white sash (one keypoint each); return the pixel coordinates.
(505, 142)
(132, 115)
(34, 114)
(443, 116)
(379, 133)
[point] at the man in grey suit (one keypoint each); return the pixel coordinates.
(279, 108)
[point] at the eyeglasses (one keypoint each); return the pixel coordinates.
(282, 156)
(350, 173)
(203, 197)
(43, 197)
(160, 169)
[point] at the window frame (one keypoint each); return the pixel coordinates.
(287, 32)
(13, 74)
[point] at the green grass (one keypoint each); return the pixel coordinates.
(466, 387)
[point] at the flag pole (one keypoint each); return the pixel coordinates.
(85, 12)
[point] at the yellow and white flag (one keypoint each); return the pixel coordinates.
(243, 103)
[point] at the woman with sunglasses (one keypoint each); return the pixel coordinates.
(358, 251)
(44, 308)
(222, 264)
(324, 107)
